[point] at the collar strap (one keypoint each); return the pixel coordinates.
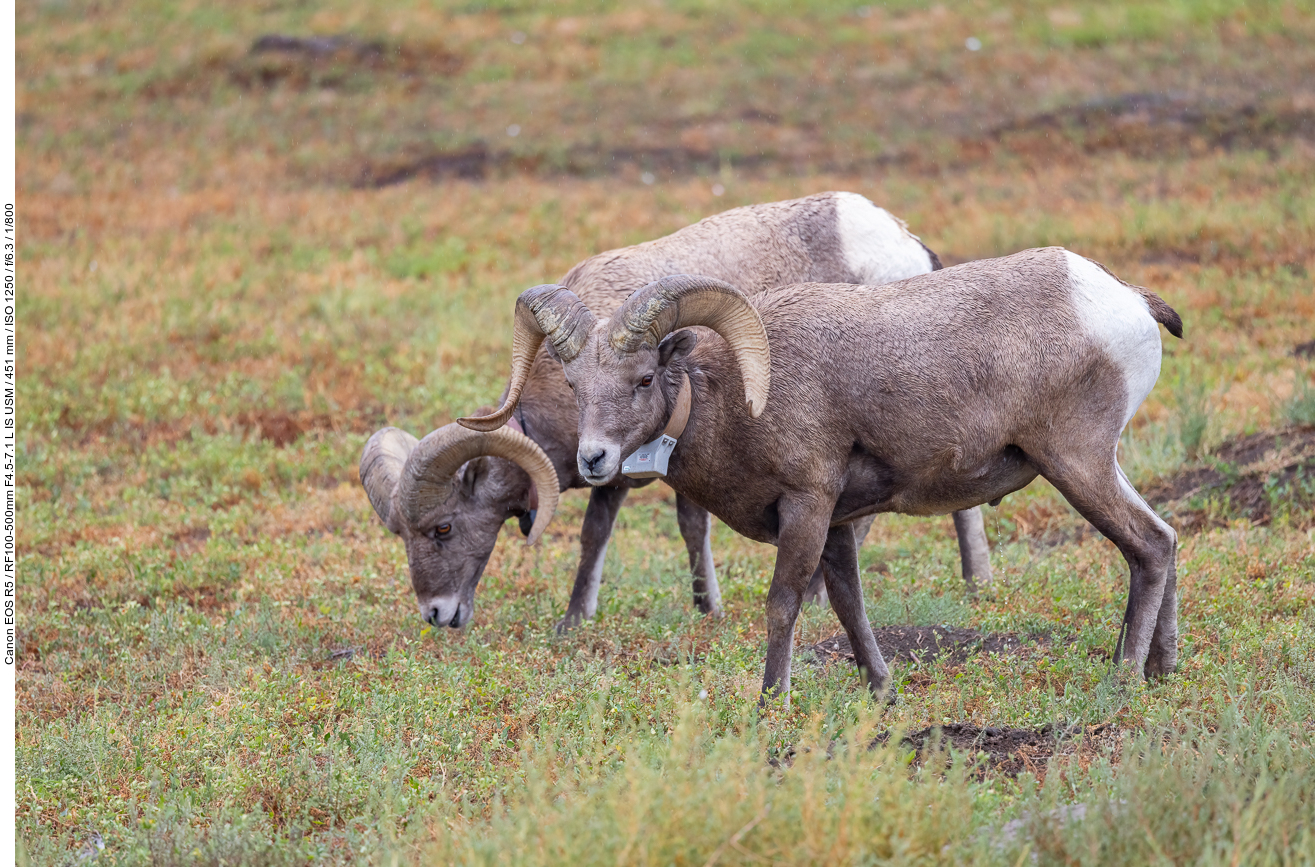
(649, 461)
(680, 415)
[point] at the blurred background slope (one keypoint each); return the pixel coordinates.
(294, 94)
(259, 150)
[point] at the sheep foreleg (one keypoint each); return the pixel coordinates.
(696, 529)
(802, 536)
(599, 516)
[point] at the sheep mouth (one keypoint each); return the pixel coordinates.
(438, 618)
(459, 618)
(599, 479)
(607, 473)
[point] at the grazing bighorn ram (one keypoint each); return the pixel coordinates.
(450, 521)
(935, 393)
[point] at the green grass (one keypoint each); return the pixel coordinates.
(220, 660)
(1301, 407)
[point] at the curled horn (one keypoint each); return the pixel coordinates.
(683, 300)
(549, 311)
(381, 466)
(429, 476)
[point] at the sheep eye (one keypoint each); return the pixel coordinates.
(646, 381)
(440, 530)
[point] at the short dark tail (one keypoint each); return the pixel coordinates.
(931, 254)
(1162, 312)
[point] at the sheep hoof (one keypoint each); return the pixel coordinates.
(706, 606)
(569, 622)
(1160, 664)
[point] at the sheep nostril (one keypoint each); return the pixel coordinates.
(456, 619)
(432, 618)
(592, 462)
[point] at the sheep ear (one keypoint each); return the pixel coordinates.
(685, 300)
(473, 474)
(677, 344)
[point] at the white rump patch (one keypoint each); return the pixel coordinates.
(1117, 319)
(878, 247)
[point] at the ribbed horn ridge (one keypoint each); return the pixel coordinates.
(684, 300)
(381, 466)
(549, 311)
(429, 476)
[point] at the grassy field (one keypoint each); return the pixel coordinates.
(237, 264)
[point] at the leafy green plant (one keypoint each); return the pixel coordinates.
(1300, 408)
(1194, 401)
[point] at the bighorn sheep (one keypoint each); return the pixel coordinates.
(453, 501)
(935, 393)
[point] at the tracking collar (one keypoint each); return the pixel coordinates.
(649, 461)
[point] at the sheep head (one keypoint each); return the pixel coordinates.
(626, 371)
(429, 492)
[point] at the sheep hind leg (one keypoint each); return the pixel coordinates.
(1163, 656)
(840, 564)
(696, 529)
(974, 550)
(1097, 488)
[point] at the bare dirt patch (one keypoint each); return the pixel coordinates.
(921, 644)
(283, 428)
(279, 427)
(1145, 125)
(1252, 477)
(1148, 124)
(1009, 751)
(479, 161)
(304, 62)
(190, 539)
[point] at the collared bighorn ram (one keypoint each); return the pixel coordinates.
(932, 394)
(456, 497)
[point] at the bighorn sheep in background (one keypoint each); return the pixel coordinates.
(928, 395)
(453, 502)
